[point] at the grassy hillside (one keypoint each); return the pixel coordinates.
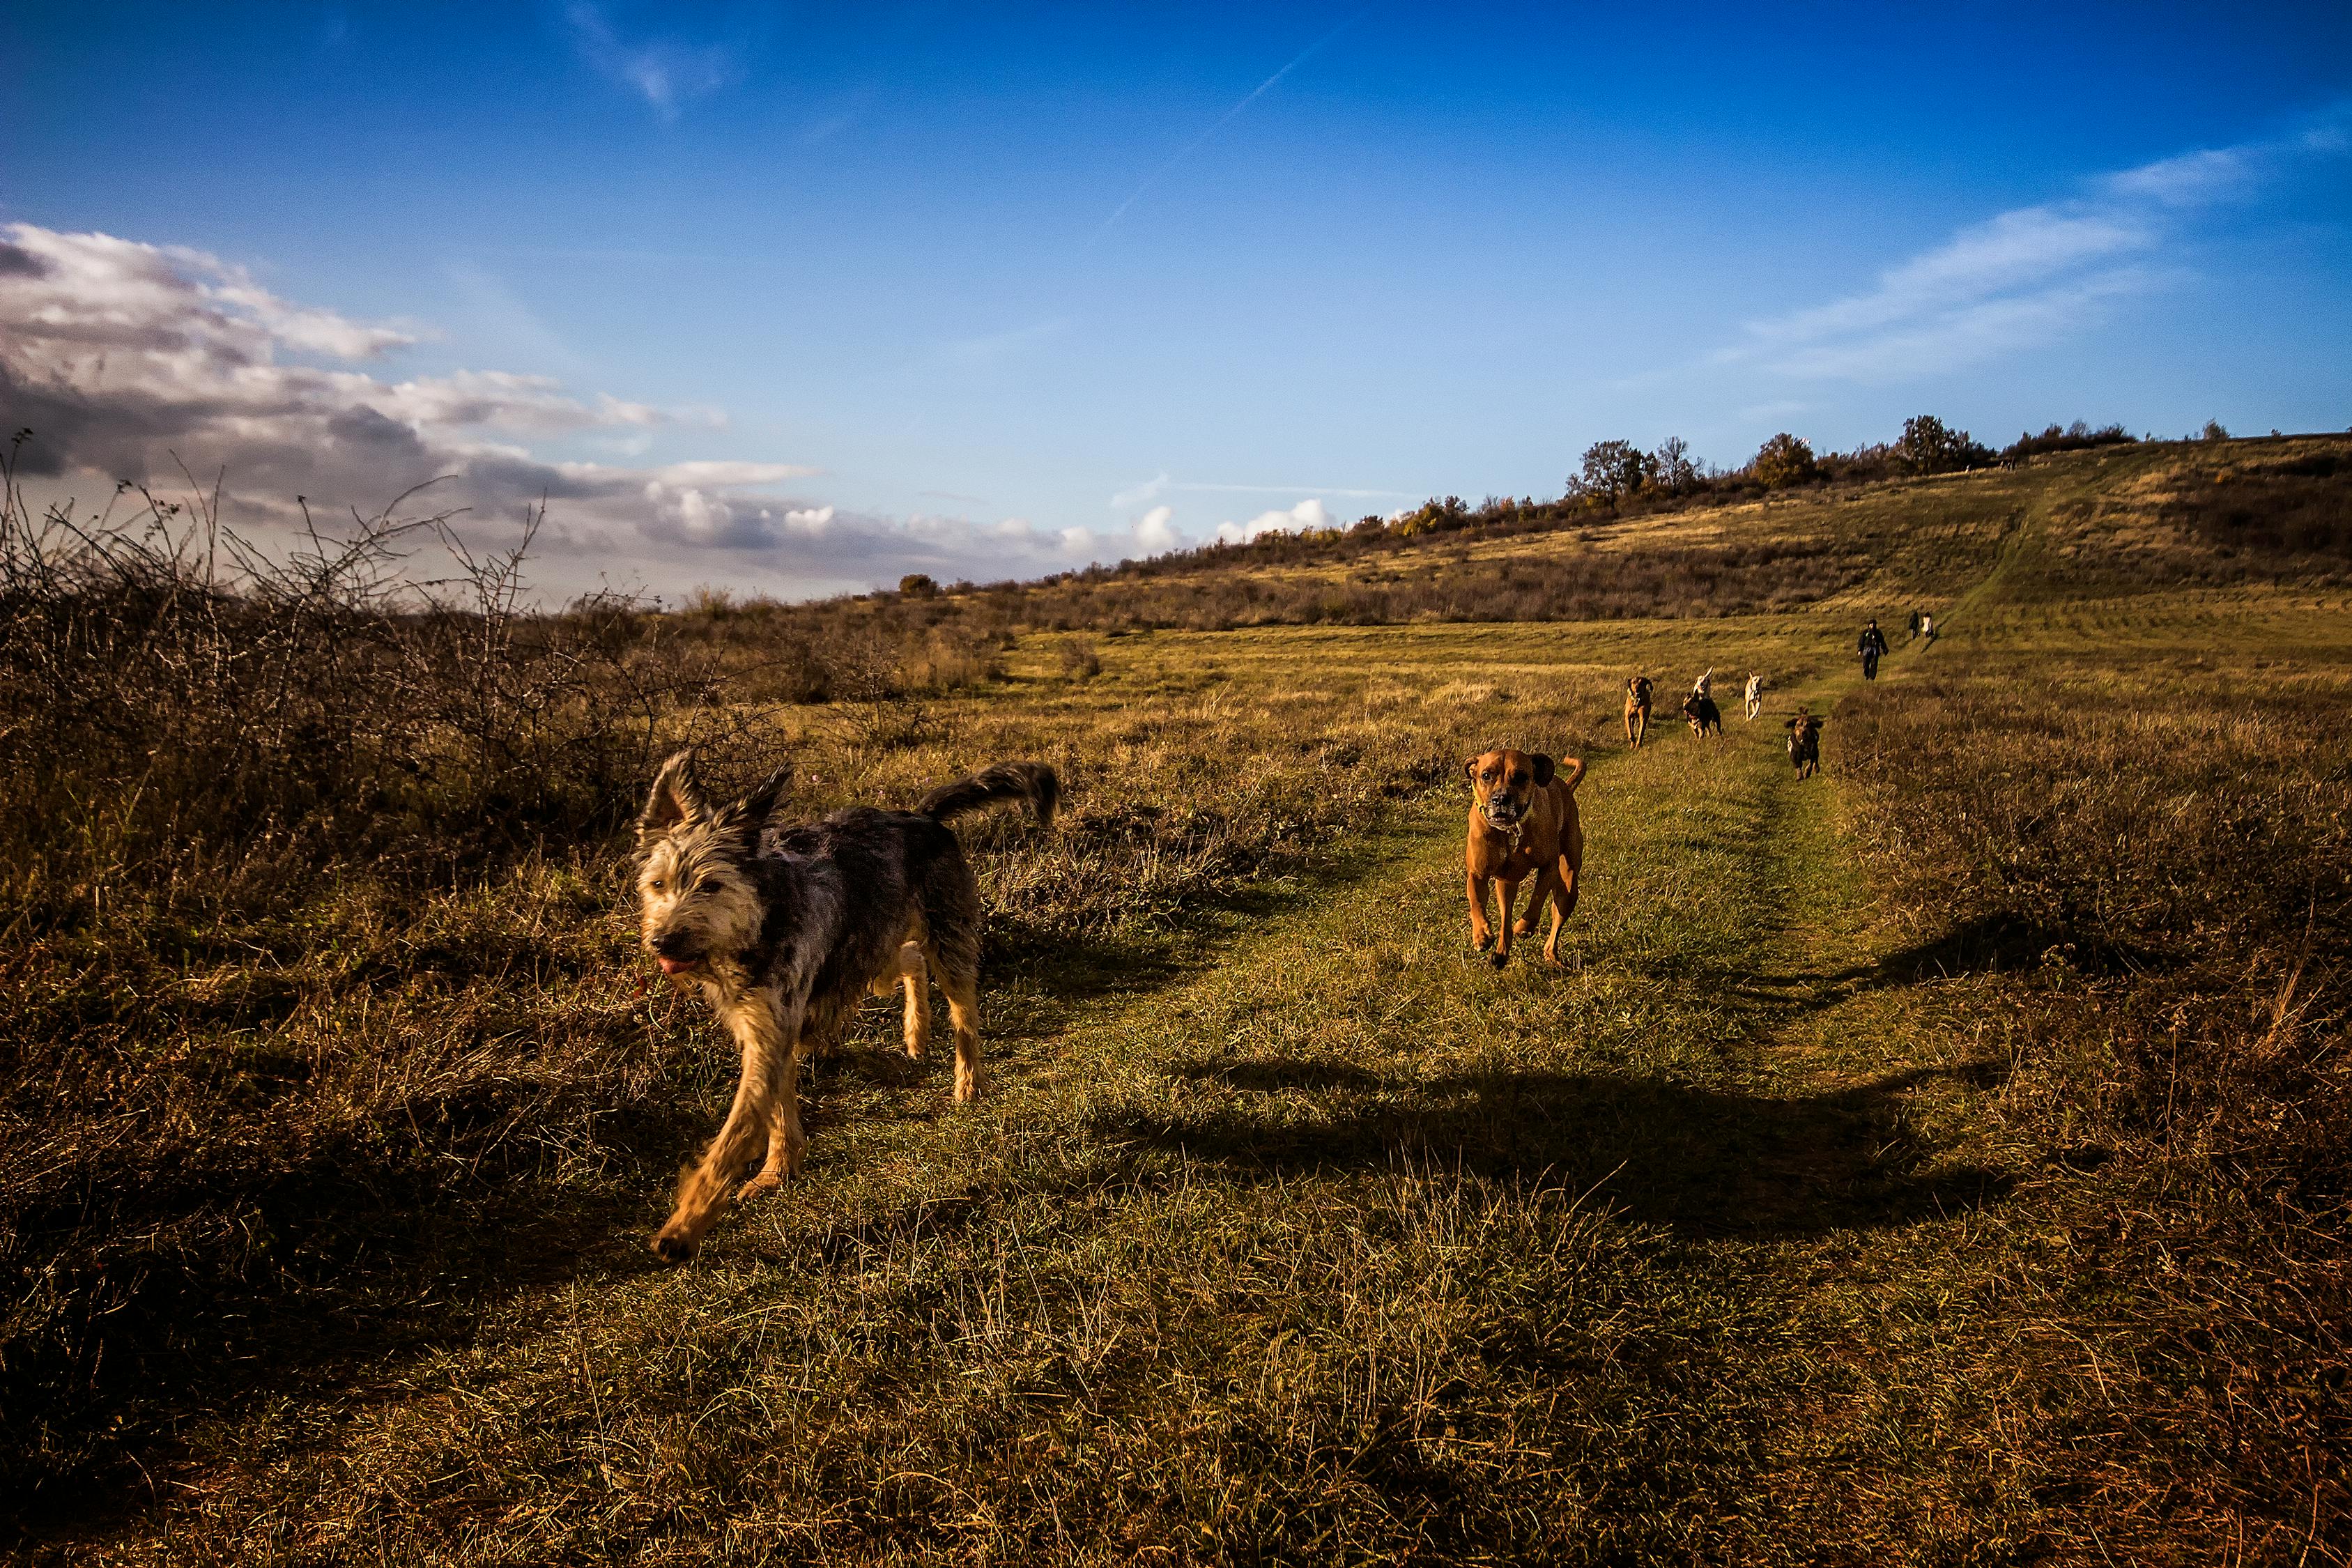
(1940, 1160)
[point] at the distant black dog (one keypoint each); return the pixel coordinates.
(786, 939)
(1703, 714)
(1805, 744)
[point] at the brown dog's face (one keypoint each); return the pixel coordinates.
(1637, 688)
(1504, 784)
(696, 898)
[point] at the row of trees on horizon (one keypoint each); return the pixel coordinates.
(1617, 478)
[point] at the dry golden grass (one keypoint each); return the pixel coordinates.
(1940, 1160)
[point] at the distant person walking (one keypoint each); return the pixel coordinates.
(1914, 626)
(1755, 693)
(1871, 646)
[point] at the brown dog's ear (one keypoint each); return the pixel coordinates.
(1470, 769)
(1545, 771)
(676, 800)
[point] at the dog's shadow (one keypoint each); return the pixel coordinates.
(1703, 1161)
(1991, 944)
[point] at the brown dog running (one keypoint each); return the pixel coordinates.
(1523, 822)
(1637, 709)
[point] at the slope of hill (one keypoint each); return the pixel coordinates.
(1941, 1159)
(2137, 516)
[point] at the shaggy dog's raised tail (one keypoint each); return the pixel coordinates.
(1032, 782)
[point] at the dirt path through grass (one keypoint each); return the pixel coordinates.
(1327, 1239)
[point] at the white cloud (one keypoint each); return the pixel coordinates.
(2023, 278)
(125, 358)
(1306, 515)
(1156, 532)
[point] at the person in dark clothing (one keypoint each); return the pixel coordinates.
(1871, 646)
(1914, 627)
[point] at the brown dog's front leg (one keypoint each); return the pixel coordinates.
(1481, 937)
(1526, 925)
(1510, 890)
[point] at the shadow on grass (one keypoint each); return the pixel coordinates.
(1989, 944)
(1705, 1161)
(191, 1297)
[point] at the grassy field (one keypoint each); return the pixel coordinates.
(1941, 1160)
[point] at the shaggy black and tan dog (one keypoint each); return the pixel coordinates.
(786, 936)
(1702, 713)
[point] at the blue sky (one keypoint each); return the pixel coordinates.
(796, 301)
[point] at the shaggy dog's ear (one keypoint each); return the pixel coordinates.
(676, 799)
(1545, 771)
(754, 809)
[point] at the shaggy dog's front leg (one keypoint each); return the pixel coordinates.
(766, 1110)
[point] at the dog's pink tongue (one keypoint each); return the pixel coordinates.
(672, 965)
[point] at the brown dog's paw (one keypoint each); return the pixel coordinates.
(1482, 940)
(1498, 958)
(759, 1186)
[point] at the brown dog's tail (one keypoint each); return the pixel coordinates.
(1032, 782)
(1568, 772)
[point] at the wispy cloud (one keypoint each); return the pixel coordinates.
(1230, 115)
(989, 348)
(2026, 276)
(1164, 483)
(667, 73)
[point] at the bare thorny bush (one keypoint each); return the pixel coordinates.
(242, 777)
(182, 706)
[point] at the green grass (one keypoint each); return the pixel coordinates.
(1803, 1216)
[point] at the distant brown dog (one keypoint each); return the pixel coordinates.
(1637, 709)
(1805, 742)
(1523, 822)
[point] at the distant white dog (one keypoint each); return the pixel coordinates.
(1704, 685)
(1755, 694)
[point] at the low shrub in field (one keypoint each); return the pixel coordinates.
(2158, 885)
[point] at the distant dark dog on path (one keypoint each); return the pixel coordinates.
(1703, 714)
(1637, 709)
(1805, 744)
(786, 939)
